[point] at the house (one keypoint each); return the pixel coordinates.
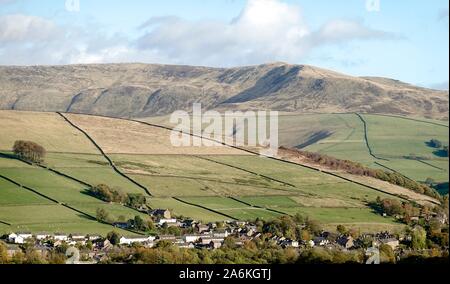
(289, 243)
(169, 222)
(19, 238)
(310, 243)
(61, 237)
(207, 240)
(12, 237)
(346, 241)
(93, 238)
(122, 225)
(392, 242)
(188, 224)
(191, 238)
(321, 241)
(169, 238)
(215, 244)
(105, 245)
(186, 245)
(78, 238)
(221, 235)
(161, 213)
(132, 240)
(42, 236)
(202, 228)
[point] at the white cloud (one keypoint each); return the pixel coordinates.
(264, 31)
(23, 28)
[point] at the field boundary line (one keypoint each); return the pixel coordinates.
(252, 152)
(62, 175)
(245, 170)
(90, 217)
(258, 207)
(213, 180)
(409, 118)
(5, 223)
(366, 138)
(111, 163)
(431, 165)
(203, 207)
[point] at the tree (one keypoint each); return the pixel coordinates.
(313, 226)
(435, 143)
(387, 254)
(3, 254)
(140, 224)
(102, 215)
(342, 229)
(113, 237)
(29, 151)
(419, 238)
(103, 192)
(136, 200)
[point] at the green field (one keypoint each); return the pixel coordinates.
(203, 182)
(232, 208)
(391, 138)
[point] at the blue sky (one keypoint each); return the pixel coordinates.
(405, 39)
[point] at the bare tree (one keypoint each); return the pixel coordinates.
(29, 151)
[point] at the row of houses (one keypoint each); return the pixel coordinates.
(21, 238)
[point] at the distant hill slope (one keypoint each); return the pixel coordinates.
(142, 90)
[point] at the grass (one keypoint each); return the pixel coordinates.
(182, 209)
(11, 195)
(389, 136)
(339, 215)
(232, 208)
(144, 153)
(47, 129)
(36, 218)
(403, 136)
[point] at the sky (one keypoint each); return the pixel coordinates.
(406, 40)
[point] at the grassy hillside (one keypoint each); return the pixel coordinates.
(392, 140)
(208, 184)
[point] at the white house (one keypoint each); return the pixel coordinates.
(61, 237)
(221, 235)
(94, 238)
(42, 236)
(25, 236)
(290, 243)
(167, 221)
(15, 238)
(129, 241)
(191, 238)
(19, 238)
(12, 237)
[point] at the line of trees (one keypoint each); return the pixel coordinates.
(29, 151)
(107, 194)
(358, 169)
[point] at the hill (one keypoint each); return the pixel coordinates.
(208, 184)
(387, 142)
(141, 90)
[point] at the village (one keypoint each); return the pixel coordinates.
(195, 235)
